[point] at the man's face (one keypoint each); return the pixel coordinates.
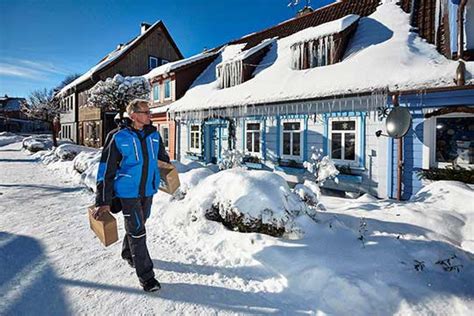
(142, 116)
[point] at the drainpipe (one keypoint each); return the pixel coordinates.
(461, 69)
(396, 103)
(461, 8)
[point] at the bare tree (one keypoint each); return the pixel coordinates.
(67, 80)
(42, 105)
(115, 93)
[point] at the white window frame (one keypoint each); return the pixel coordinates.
(162, 127)
(150, 58)
(260, 130)
(299, 157)
(168, 81)
(153, 93)
(429, 144)
(190, 135)
(356, 132)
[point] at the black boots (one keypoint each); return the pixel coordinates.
(151, 285)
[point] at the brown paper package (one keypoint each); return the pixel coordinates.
(169, 177)
(105, 228)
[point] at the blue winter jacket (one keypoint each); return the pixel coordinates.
(129, 164)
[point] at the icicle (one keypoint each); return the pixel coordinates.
(330, 49)
(326, 50)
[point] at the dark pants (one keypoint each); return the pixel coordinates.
(136, 211)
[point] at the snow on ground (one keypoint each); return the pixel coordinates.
(9, 138)
(363, 256)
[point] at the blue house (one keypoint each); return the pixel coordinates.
(325, 80)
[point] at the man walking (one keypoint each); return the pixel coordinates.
(128, 170)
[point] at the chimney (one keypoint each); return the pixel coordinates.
(143, 27)
(304, 11)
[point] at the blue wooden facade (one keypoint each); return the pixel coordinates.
(374, 169)
(414, 142)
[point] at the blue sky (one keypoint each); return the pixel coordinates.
(42, 41)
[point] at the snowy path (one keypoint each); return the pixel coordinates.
(54, 264)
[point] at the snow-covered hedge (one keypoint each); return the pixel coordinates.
(37, 143)
(247, 201)
(7, 138)
(86, 159)
(87, 164)
(69, 151)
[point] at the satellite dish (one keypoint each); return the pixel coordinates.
(398, 122)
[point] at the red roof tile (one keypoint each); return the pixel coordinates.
(320, 16)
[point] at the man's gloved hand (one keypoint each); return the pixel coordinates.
(99, 211)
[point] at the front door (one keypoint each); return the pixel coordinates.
(218, 140)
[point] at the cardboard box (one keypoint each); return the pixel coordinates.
(169, 177)
(105, 228)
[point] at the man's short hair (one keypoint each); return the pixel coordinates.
(136, 105)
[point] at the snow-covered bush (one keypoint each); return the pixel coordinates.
(309, 192)
(45, 156)
(65, 152)
(85, 159)
(322, 168)
(247, 201)
(37, 143)
(89, 176)
(231, 159)
(7, 138)
(68, 151)
(115, 93)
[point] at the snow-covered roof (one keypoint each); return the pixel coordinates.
(383, 53)
(119, 51)
(11, 104)
(173, 66)
(160, 109)
(329, 28)
(249, 52)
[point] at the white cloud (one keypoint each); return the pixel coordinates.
(18, 71)
(29, 69)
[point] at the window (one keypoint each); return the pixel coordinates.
(455, 140)
(195, 138)
(164, 132)
(291, 140)
(167, 89)
(156, 93)
(164, 61)
(252, 139)
(343, 140)
(152, 62)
